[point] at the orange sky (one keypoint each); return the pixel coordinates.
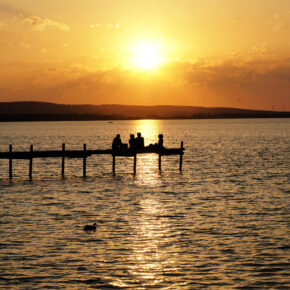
(226, 53)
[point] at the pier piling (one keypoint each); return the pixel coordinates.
(159, 162)
(10, 161)
(135, 163)
(30, 162)
(114, 162)
(85, 161)
(63, 160)
(181, 156)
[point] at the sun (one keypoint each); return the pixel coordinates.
(147, 55)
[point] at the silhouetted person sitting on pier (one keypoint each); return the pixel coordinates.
(160, 141)
(132, 142)
(157, 146)
(117, 143)
(139, 142)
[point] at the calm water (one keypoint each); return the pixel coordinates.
(221, 224)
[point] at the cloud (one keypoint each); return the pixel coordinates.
(280, 22)
(116, 25)
(10, 10)
(278, 26)
(25, 45)
(109, 25)
(257, 83)
(232, 22)
(97, 25)
(38, 23)
(235, 74)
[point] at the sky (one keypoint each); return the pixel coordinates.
(213, 53)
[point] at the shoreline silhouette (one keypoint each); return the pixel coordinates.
(14, 112)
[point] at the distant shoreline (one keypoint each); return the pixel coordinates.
(42, 111)
(59, 118)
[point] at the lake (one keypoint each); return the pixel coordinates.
(222, 223)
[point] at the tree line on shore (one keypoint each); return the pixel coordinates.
(40, 111)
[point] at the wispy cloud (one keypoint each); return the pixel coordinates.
(25, 45)
(38, 23)
(256, 83)
(109, 25)
(10, 10)
(232, 22)
(279, 23)
(96, 25)
(278, 26)
(234, 74)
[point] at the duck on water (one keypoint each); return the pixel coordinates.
(90, 227)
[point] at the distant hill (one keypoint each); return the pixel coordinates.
(42, 111)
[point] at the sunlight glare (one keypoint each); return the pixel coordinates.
(147, 55)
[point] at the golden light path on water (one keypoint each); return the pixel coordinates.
(148, 164)
(149, 128)
(149, 259)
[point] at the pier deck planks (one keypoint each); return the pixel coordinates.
(82, 153)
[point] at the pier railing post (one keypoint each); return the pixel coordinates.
(135, 163)
(85, 161)
(181, 155)
(63, 160)
(10, 161)
(30, 162)
(114, 164)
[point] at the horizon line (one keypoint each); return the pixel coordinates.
(188, 106)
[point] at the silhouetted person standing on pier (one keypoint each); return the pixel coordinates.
(117, 143)
(139, 141)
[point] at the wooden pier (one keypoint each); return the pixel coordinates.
(85, 153)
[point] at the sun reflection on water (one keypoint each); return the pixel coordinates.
(149, 129)
(147, 165)
(149, 261)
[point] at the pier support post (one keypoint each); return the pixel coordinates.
(114, 164)
(63, 160)
(135, 163)
(10, 161)
(159, 162)
(85, 161)
(181, 155)
(30, 162)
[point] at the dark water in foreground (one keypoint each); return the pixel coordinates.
(221, 224)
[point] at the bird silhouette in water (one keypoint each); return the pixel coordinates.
(90, 227)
